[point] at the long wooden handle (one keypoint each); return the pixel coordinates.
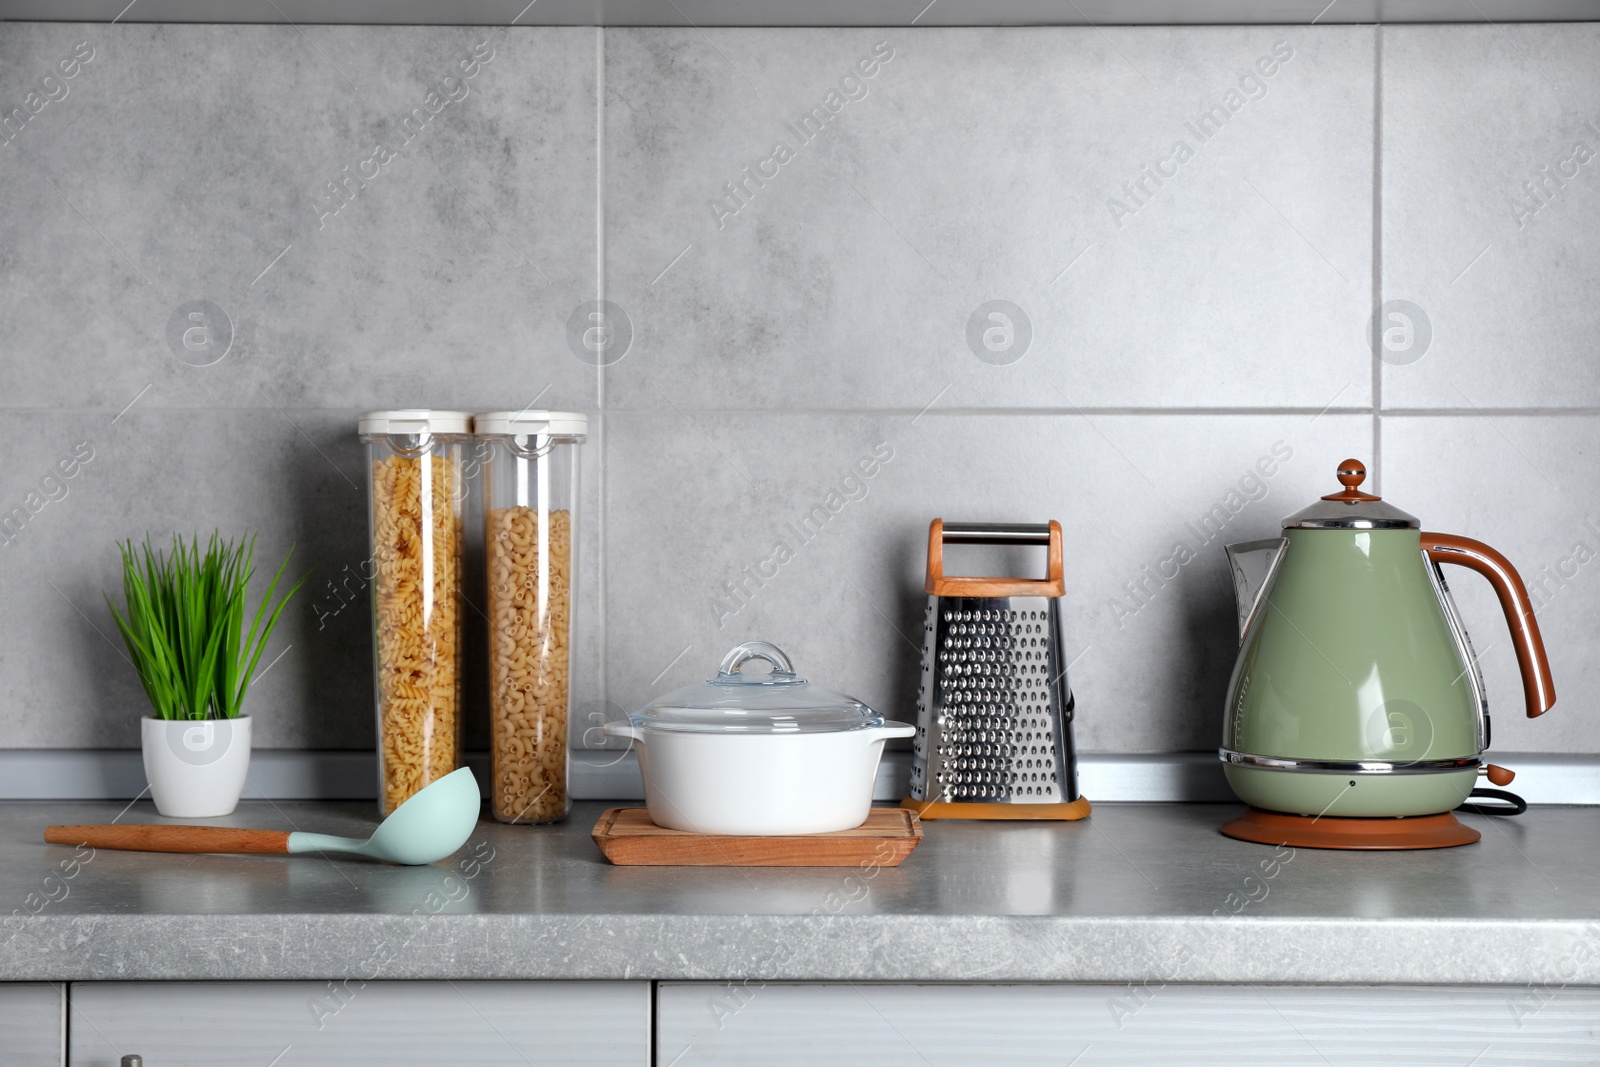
(1538, 690)
(134, 838)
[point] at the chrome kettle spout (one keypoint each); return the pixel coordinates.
(1253, 564)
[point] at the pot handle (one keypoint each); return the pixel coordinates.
(1538, 689)
(623, 729)
(894, 729)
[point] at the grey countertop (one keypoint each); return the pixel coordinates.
(1137, 892)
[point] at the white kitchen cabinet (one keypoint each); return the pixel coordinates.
(844, 1025)
(31, 1032)
(318, 1024)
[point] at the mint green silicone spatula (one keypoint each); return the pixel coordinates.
(431, 825)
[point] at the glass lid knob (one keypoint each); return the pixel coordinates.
(733, 663)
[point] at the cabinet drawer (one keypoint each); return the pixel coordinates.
(844, 1025)
(321, 1024)
(31, 1031)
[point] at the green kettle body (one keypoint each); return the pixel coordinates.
(1350, 658)
(1356, 692)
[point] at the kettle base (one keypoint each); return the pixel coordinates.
(1327, 831)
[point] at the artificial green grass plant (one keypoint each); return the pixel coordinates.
(185, 623)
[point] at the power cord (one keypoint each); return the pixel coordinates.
(1510, 803)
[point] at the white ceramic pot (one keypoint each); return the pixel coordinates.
(196, 769)
(759, 784)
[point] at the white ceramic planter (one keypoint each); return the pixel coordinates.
(196, 769)
(759, 784)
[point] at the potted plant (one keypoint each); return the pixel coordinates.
(185, 633)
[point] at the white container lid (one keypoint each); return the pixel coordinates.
(526, 423)
(737, 703)
(413, 421)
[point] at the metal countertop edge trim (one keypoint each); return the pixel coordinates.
(1011, 14)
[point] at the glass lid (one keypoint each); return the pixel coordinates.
(1350, 508)
(734, 702)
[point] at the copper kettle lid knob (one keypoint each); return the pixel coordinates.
(1352, 472)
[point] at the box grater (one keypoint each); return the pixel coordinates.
(994, 717)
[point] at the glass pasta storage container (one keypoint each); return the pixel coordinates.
(530, 540)
(415, 494)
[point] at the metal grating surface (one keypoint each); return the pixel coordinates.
(993, 704)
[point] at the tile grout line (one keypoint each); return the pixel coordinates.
(1377, 255)
(1529, 412)
(847, 412)
(600, 371)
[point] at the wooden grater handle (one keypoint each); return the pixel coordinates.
(134, 838)
(937, 584)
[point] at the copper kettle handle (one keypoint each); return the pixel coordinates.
(1538, 689)
(983, 534)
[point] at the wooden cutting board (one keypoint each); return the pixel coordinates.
(628, 838)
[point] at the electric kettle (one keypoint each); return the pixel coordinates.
(1356, 715)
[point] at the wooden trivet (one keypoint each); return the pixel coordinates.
(628, 838)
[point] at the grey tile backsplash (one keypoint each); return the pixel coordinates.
(1125, 279)
(1491, 211)
(981, 165)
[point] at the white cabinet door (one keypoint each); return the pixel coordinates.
(845, 1025)
(321, 1024)
(31, 1032)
